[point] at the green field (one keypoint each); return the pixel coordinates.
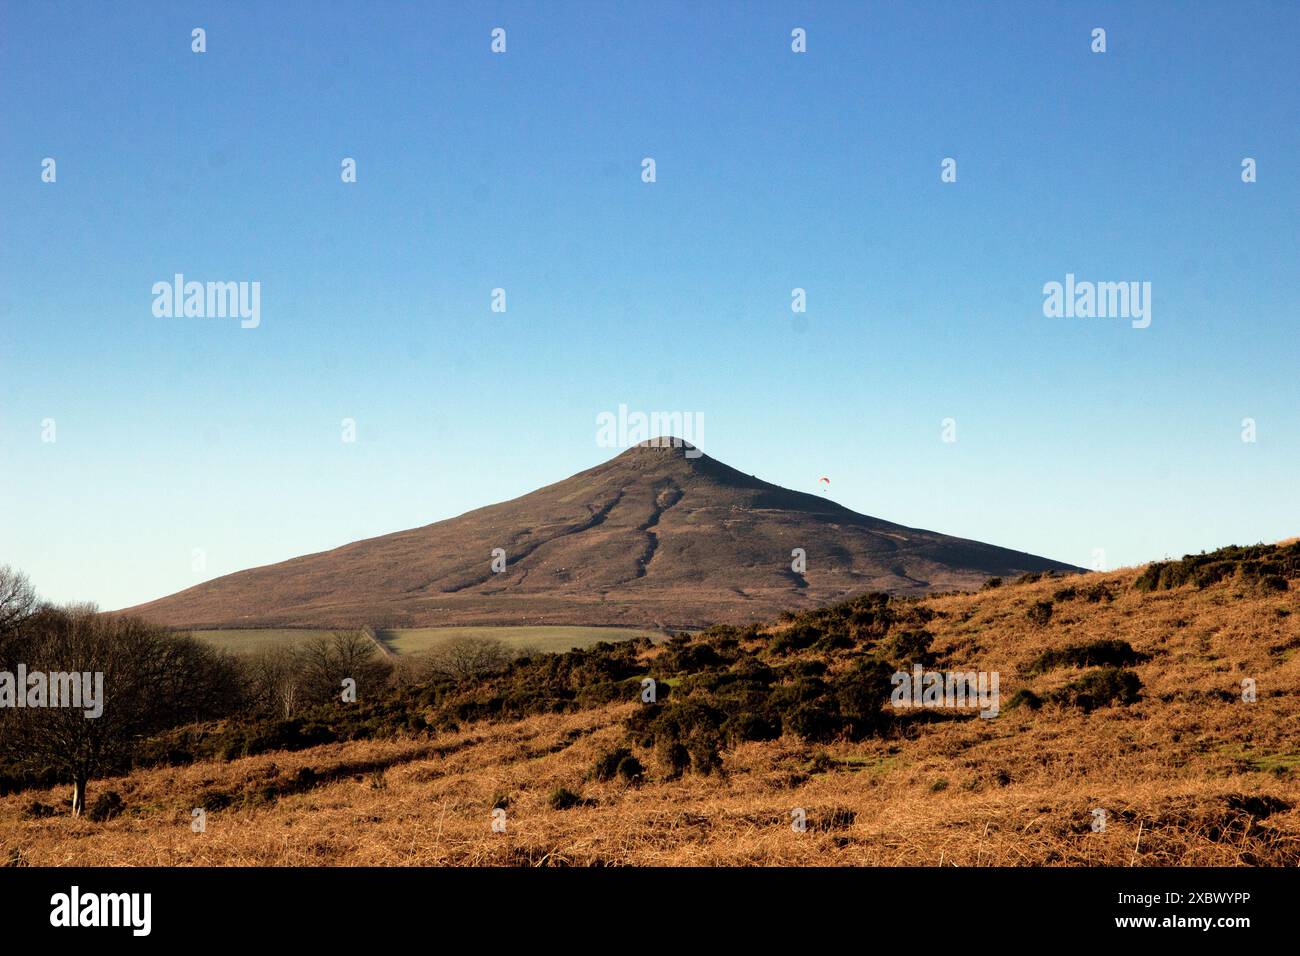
(417, 640)
(256, 639)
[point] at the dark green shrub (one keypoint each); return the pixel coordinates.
(1097, 593)
(1040, 613)
(1024, 698)
(821, 762)
(815, 722)
(107, 805)
(35, 810)
(1099, 688)
(686, 657)
(1251, 563)
(908, 647)
(675, 755)
(213, 800)
(797, 669)
(750, 726)
(704, 754)
(796, 638)
(562, 798)
(861, 695)
(836, 640)
(607, 764)
(630, 769)
(1114, 653)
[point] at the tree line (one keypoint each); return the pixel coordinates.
(156, 679)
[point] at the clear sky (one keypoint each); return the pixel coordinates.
(523, 171)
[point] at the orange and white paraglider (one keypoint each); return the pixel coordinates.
(825, 483)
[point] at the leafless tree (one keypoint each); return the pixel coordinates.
(18, 602)
(152, 680)
(273, 680)
(462, 657)
(326, 662)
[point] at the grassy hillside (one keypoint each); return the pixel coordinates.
(1114, 697)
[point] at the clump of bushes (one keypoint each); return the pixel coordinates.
(630, 769)
(1097, 593)
(751, 701)
(908, 647)
(863, 619)
(685, 735)
(213, 800)
(796, 638)
(107, 805)
(1114, 653)
(1099, 688)
(1024, 698)
(1269, 566)
(35, 810)
(1093, 594)
(562, 798)
(618, 762)
(1040, 613)
(710, 650)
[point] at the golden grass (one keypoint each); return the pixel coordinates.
(1190, 775)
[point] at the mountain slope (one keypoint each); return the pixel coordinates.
(651, 537)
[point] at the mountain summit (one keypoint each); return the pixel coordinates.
(661, 535)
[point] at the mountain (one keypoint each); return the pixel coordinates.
(653, 537)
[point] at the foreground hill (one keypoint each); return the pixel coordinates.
(652, 538)
(1121, 692)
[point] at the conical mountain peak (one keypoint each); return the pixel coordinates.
(660, 535)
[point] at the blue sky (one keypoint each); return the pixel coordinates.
(775, 170)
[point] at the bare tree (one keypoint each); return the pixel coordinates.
(274, 680)
(462, 657)
(150, 679)
(326, 662)
(18, 602)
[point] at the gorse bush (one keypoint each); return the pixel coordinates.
(1093, 594)
(1269, 566)
(1040, 613)
(630, 769)
(562, 798)
(607, 764)
(106, 806)
(1024, 698)
(1099, 688)
(796, 638)
(1115, 653)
